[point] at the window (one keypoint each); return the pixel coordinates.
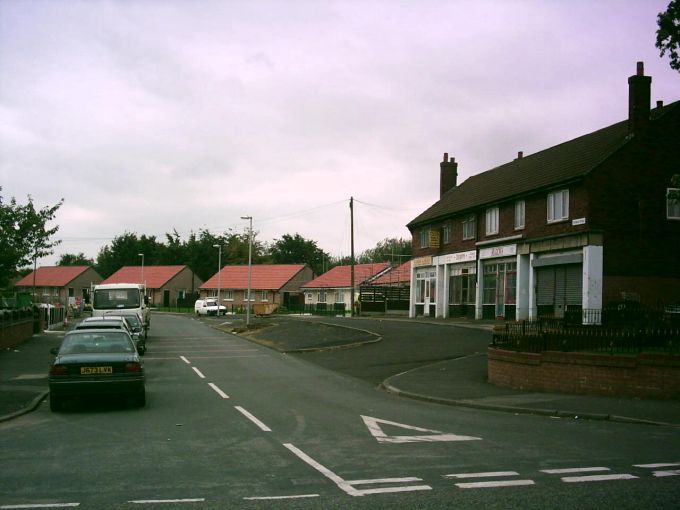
(425, 238)
(462, 286)
(339, 296)
(446, 233)
(673, 203)
(229, 295)
(519, 214)
(492, 221)
(322, 296)
(265, 295)
(558, 206)
(469, 227)
(71, 292)
(212, 293)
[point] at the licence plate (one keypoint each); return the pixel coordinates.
(95, 370)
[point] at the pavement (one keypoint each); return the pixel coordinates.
(457, 382)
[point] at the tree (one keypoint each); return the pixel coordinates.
(295, 249)
(125, 251)
(389, 249)
(24, 235)
(71, 259)
(668, 34)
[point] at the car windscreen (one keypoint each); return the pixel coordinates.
(112, 299)
(96, 342)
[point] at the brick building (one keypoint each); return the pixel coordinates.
(575, 226)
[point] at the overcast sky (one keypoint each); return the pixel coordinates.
(150, 116)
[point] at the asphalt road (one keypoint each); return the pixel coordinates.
(233, 424)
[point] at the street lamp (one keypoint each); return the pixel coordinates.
(142, 281)
(219, 275)
(250, 264)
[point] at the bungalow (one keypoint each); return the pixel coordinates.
(65, 285)
(269, 283)
(165, 285)
(334, 287)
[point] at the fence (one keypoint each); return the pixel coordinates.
(547, 335)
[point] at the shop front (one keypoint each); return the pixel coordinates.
(424, 292)
(498, 268)
(461, 276)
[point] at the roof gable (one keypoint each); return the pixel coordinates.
(263, 276)
(52, 276)
(340, 276)
(396, 275)
(154, 277)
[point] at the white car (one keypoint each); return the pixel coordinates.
(208, 307)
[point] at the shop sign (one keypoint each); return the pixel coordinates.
(508, 250)
(456, 258)
(578, 221)
(422, 261)
(434, 238)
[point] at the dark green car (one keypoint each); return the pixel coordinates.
(101, 363)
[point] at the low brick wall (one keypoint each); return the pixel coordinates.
(15, 332)
(644, 375)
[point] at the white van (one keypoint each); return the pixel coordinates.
(113, 298)
(208, 307)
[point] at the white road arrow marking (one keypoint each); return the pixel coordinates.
(434, 436)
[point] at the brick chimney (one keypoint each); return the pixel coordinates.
(448, 174)
(639, 98)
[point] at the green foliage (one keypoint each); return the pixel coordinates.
(199, 252)
(295, 249)
(24, 235)
(72, 259)
(668, 34)
(388, 250)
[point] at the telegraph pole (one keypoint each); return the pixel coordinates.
(351, 256)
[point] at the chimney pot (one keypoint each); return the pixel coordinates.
(659, 104)
(640, 68)
(520, 155)
(448, 174)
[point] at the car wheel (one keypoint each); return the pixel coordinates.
(55, 404)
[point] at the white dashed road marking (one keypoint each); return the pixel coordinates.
(252, 418)
(218, 391)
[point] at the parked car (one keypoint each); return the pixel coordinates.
(133, 320)
(208, 307)
(114, 322)
(96, 362)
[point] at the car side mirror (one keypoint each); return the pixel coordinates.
(54, 350)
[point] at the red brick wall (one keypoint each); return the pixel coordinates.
(12, 334)
(645, 375)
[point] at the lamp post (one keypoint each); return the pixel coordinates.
(219, 275)
(250, 264)
(142, 280)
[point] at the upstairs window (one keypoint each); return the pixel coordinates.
(673, 203)
(446, 234)
(469, 227)
(520, 214)
(424, 238)
(492, 221)
(558, 206)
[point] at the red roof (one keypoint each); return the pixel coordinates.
(52, 276)
(263, 276)
(340, 276)
(154, 276)
(397, 275)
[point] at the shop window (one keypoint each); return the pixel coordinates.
(558, 206)
(489, 282)
(469, 227)
(492, 221)
(462, 285)
(520, 214)
(673, 203)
